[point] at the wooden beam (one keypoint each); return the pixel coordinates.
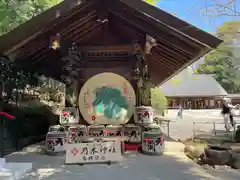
(171, 55)
(113, 48)
(176, 53)
(126, 30)
(83, 31)
(164, 35)
(42, 52)
(161, 17)
(52, 24)
(41, 41)
(169, 62)
(45, 45)
(160, 67)
(102, 8)
(112, 63)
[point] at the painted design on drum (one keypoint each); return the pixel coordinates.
(107, 98)
(109, 102)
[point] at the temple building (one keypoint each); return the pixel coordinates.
(193, 91)
(235, 98)
(75, 40)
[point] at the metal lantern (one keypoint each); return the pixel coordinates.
(55, 42)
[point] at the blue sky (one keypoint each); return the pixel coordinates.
(189, 10)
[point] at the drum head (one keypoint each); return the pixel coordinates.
(107, 98)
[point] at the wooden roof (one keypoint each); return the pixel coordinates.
(234, 96)
(178, 43)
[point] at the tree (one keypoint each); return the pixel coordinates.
(12, 14)
(16, 12)
(220, 8)
(158, 100)
(14, 78)
(152, 2)
(222, 62)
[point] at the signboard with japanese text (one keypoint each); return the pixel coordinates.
(93, 152)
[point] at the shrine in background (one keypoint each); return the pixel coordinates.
(194, 91)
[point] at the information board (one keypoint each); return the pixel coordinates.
(93, 152)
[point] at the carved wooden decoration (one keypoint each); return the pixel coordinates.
(73, 65)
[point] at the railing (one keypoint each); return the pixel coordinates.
(214, 129)
(163, 123)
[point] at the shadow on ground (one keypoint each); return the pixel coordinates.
(133, 166)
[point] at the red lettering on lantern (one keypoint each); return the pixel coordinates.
(65, 113)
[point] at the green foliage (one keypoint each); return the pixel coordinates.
(31, 120)
(222, 61)
(158, 100)
(175, 82)
(16, 12)
(152, 2)
(14, 78)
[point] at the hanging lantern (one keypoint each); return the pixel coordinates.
(55, 42)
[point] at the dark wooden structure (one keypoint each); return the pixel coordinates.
(93, 36)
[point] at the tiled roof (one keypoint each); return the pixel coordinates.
(193, 86)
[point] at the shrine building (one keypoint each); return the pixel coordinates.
(119, 36)
(200, 91)
(235, 98)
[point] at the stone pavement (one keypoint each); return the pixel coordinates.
(183, 128)
(173, 165)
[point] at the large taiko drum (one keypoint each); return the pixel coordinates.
(153, 142)
(107, 98)
(143, 115)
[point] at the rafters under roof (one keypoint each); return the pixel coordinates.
(178, 43)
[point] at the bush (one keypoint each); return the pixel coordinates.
(29, 120)
(158, 100)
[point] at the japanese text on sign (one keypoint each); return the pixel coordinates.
(93, 152)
